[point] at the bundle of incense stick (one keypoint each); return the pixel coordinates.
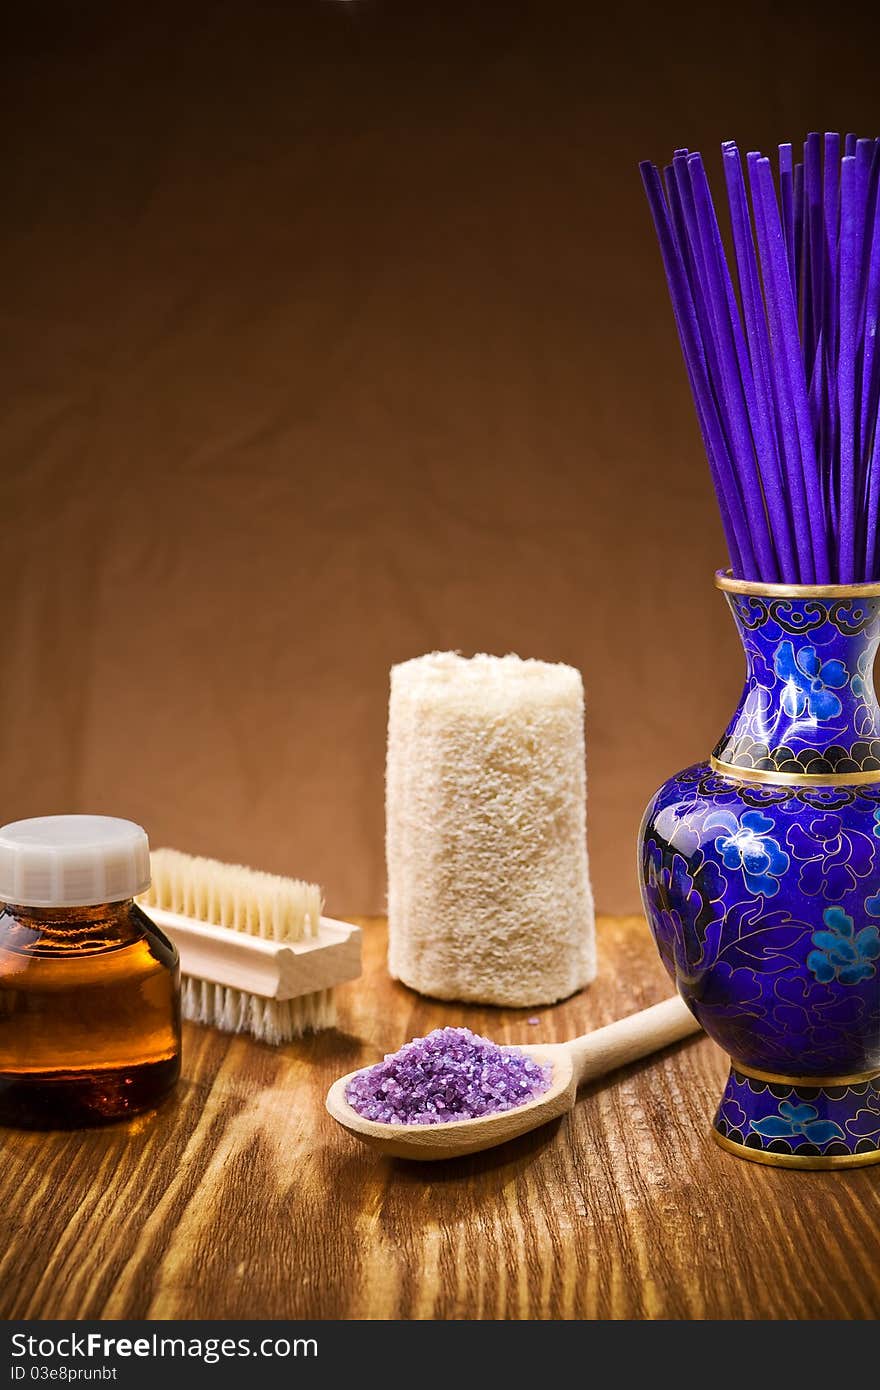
(782, 356)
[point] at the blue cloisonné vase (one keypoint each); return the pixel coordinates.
(760, 876)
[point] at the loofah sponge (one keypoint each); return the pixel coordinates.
(489, 895)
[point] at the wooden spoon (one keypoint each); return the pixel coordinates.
(574, 1063)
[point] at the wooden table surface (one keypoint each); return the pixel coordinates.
(241, 1198)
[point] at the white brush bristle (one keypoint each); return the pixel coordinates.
(246, 900)
(268, 1020)
(229, 895)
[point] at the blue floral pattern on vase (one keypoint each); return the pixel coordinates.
(862, 683)
(764, 895)
(833, 858)
(865, 1124)
(842, 953)
(738, 954)
(749, 847)
(801, 1122)
(688, 898)
(808, 705)
(794, 1120)
(809, 682)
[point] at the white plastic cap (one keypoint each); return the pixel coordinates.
(72, 861)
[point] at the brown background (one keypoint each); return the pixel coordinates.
(334, 333)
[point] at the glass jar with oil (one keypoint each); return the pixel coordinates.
(89, 986)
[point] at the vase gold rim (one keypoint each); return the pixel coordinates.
(857, 1079)
(725, 580)
(814, 1162)
(793, 779)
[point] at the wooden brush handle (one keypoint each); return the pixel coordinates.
(269, 969)
(630, 1038)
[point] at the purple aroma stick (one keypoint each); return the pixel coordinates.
(726, 486)
(761, 407)
(831, 216)
(814, 215)
(781, 350)
(870, 395)
(846, 378)
(791, 359)
(786, 194)
(729, 362)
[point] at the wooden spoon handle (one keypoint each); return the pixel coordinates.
(625, 1041)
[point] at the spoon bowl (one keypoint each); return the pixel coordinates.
(573, 1063)
(454, 1138)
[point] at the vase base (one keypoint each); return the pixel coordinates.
(808, 1162)
(800, 1122)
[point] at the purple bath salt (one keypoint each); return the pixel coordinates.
(452, 1074)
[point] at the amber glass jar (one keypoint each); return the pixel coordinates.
(89, 990)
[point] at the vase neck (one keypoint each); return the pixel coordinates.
(808, 708)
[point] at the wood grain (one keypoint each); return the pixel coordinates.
(242, 1198)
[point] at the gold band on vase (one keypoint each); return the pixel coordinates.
(816, 1162)
(857, 1079)
(725, 580)
(793, 779)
